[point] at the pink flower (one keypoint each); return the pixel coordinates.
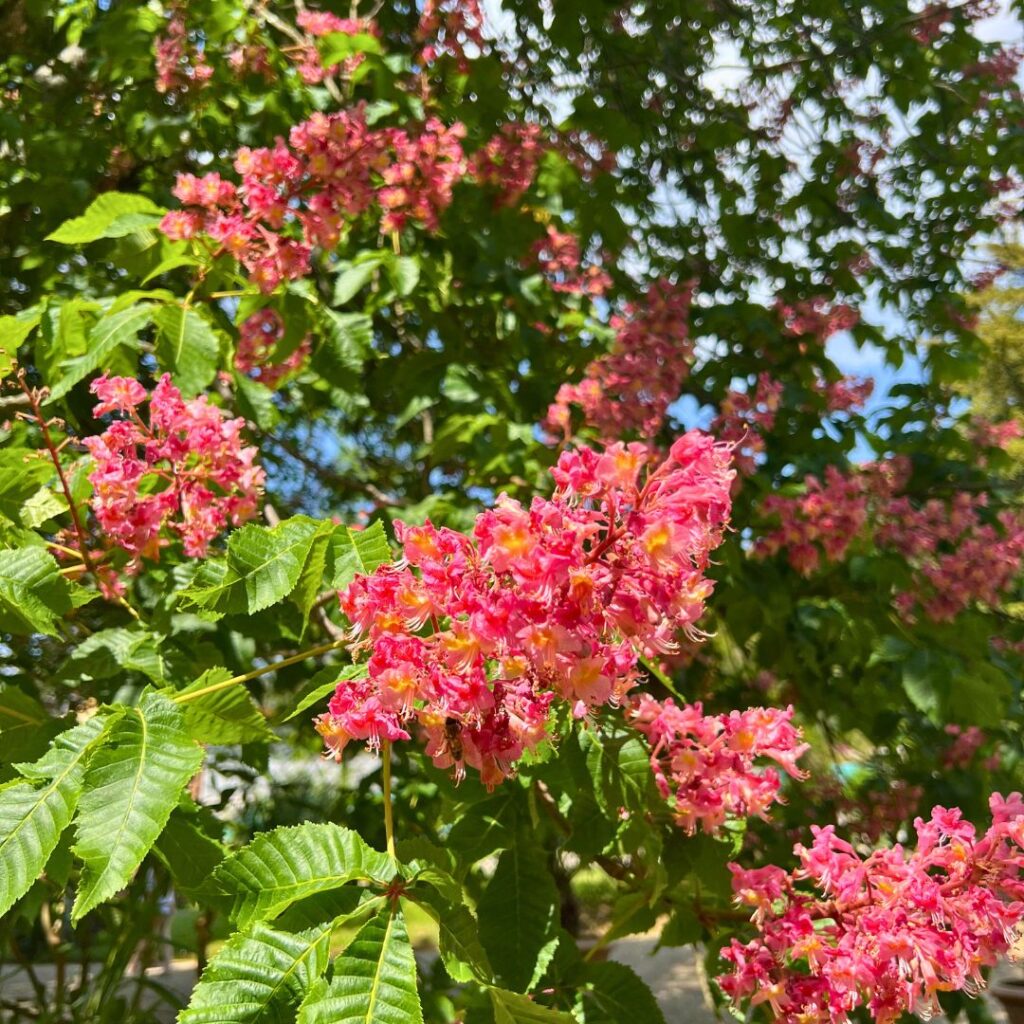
(258, 334)
(707, 766)
(186, 469)
(546, 603)
(886, 932)
(631, 388)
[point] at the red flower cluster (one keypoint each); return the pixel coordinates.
(446, 26)
(558, 256)
(257, 336)
(818, 318)
(987, 434)
(742, 417)
(509, 160)
(334, 169)
(966, 743)
(554, 601)
(705, 764)
(186, 468)
(828, 517)
(846, 394)
(887, 932)
(179, 64)
(631, 387)
(956, 557)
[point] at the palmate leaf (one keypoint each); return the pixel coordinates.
(620, 769)
(224, 716)
(191, 848)
(106, 336)
(259, 977)
(518, 914)
(22, 473)
(459, 936)
(278, 868)
(110, 215)
(132, 785)
(311, 578)
(22, 720)
(512, 1008)
(187, 346)
(374, 982)
(34, 812)
(358, 551)
(262, 568)
(33, 594)
(109, 652)
(617, 993)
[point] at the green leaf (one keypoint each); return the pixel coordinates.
(13, 331)
(262, 568)
(259, 977)
(311, 578)
(926, 681)
(110, 652)
(336, 47)
(616, 993)
(358, 552)
(43, 505)
(110, 215)
(224, 716)
(33, 594)
(255, 401)
(23, 720)
(288, 864)
(620, 768)
(173, 262)
(518, 913)
(323, 684)
(108, 334)
(459, 933)
(487, 826)
(33, 816)
(133, 784)
(374, 981)
(404, 272)
(349, 282)
(512, 1008)
(187, 346)
(190, 849)
(347, 338)
(22, 472)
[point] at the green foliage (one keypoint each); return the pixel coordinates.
(433, 357)
(133, 783)
(259, 976)
(518, 915)
(286, 865)
(34, 812)
(33, 596)
(264, 565)
(111, 215)
(374, 982)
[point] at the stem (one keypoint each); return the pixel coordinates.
(389, 819)
(313, 652)
(33, 401)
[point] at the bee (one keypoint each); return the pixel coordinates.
(452, 738)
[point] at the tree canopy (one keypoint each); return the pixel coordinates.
(426, 304)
